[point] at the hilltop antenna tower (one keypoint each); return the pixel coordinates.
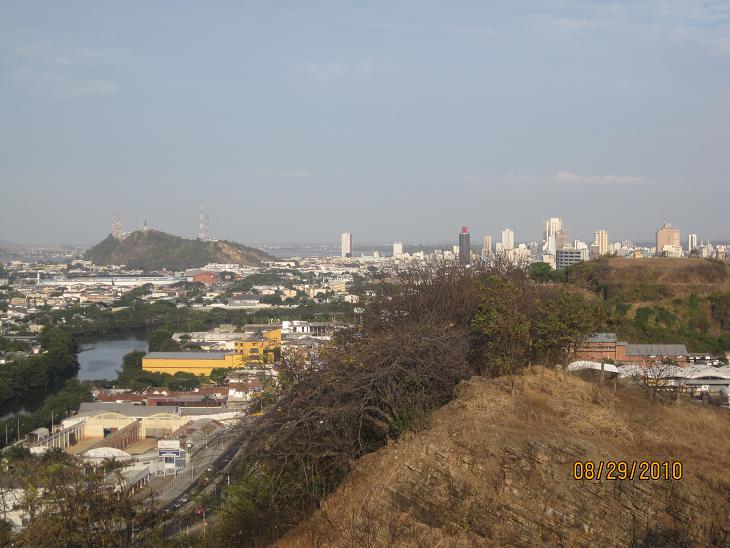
(117, 227)
(203, 226)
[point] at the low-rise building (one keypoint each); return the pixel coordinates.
(606, 346)
(249, 349)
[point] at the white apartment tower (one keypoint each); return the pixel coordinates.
(346, 247)
(487, 246)
(397, 249)
(691, 242)
(508, 239)
(601, 241)
(553, 226)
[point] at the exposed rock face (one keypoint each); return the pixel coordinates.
(154, 250)
(497, 469)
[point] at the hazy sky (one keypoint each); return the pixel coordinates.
(397, 120)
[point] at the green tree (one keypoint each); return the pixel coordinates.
(541, 272)
(70, 504)
(161, 341)
(504, 325)
(563, 320)
(219, 374)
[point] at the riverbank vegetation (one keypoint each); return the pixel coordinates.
(142, 316)
(48, 377)
(43, 372)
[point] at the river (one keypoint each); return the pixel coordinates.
(101, 358)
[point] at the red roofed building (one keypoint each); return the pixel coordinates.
(206, 278)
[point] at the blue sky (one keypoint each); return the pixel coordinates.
(397, 120)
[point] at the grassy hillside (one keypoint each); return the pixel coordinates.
(495, 469)
(154, 250)
(662, 300)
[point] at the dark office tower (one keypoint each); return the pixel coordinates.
(464, 245)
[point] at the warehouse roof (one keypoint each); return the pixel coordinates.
(186, 355)
(656, 350)
(127, 409)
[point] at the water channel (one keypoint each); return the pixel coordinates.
(100, 358)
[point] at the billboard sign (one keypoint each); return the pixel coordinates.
(168, 444)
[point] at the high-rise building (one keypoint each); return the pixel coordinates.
(346, 247)
(553, 225)
(691, 242)
(397, 249)
(668, 240)
(601, 240)
(508, 239)
(487, 246)
(464, 245)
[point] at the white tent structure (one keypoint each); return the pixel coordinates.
(583, 365)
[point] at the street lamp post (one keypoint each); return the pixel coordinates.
(189, 446)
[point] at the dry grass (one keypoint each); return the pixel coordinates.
(495, 469)
(684, 276)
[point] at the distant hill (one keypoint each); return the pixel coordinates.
(12, 246)
(155, 250)
(9, 246)
(662, 300)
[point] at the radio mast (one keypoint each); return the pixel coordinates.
(203, 226)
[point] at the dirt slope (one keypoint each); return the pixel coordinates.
(496, 469)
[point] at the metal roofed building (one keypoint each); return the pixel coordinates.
(187, 355)
(263, 348)
(198, 363)
(656, 351)
(606, 346)
(127, 409)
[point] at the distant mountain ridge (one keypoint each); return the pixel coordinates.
(9, 246)
(15, 247)
(156, 250)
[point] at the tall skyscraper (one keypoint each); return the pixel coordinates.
(464, 245)
(553, 225)
(601, 240)
(487, 246)
(397, 249)
(668, 240)
(691, 242)
(346, 247)
(508, 239)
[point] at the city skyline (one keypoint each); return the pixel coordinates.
(325, 116)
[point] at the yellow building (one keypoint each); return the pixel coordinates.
(262, 349)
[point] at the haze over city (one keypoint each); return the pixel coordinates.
(395, 121)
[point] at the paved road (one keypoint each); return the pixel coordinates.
(184, 520)
(164, 491)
